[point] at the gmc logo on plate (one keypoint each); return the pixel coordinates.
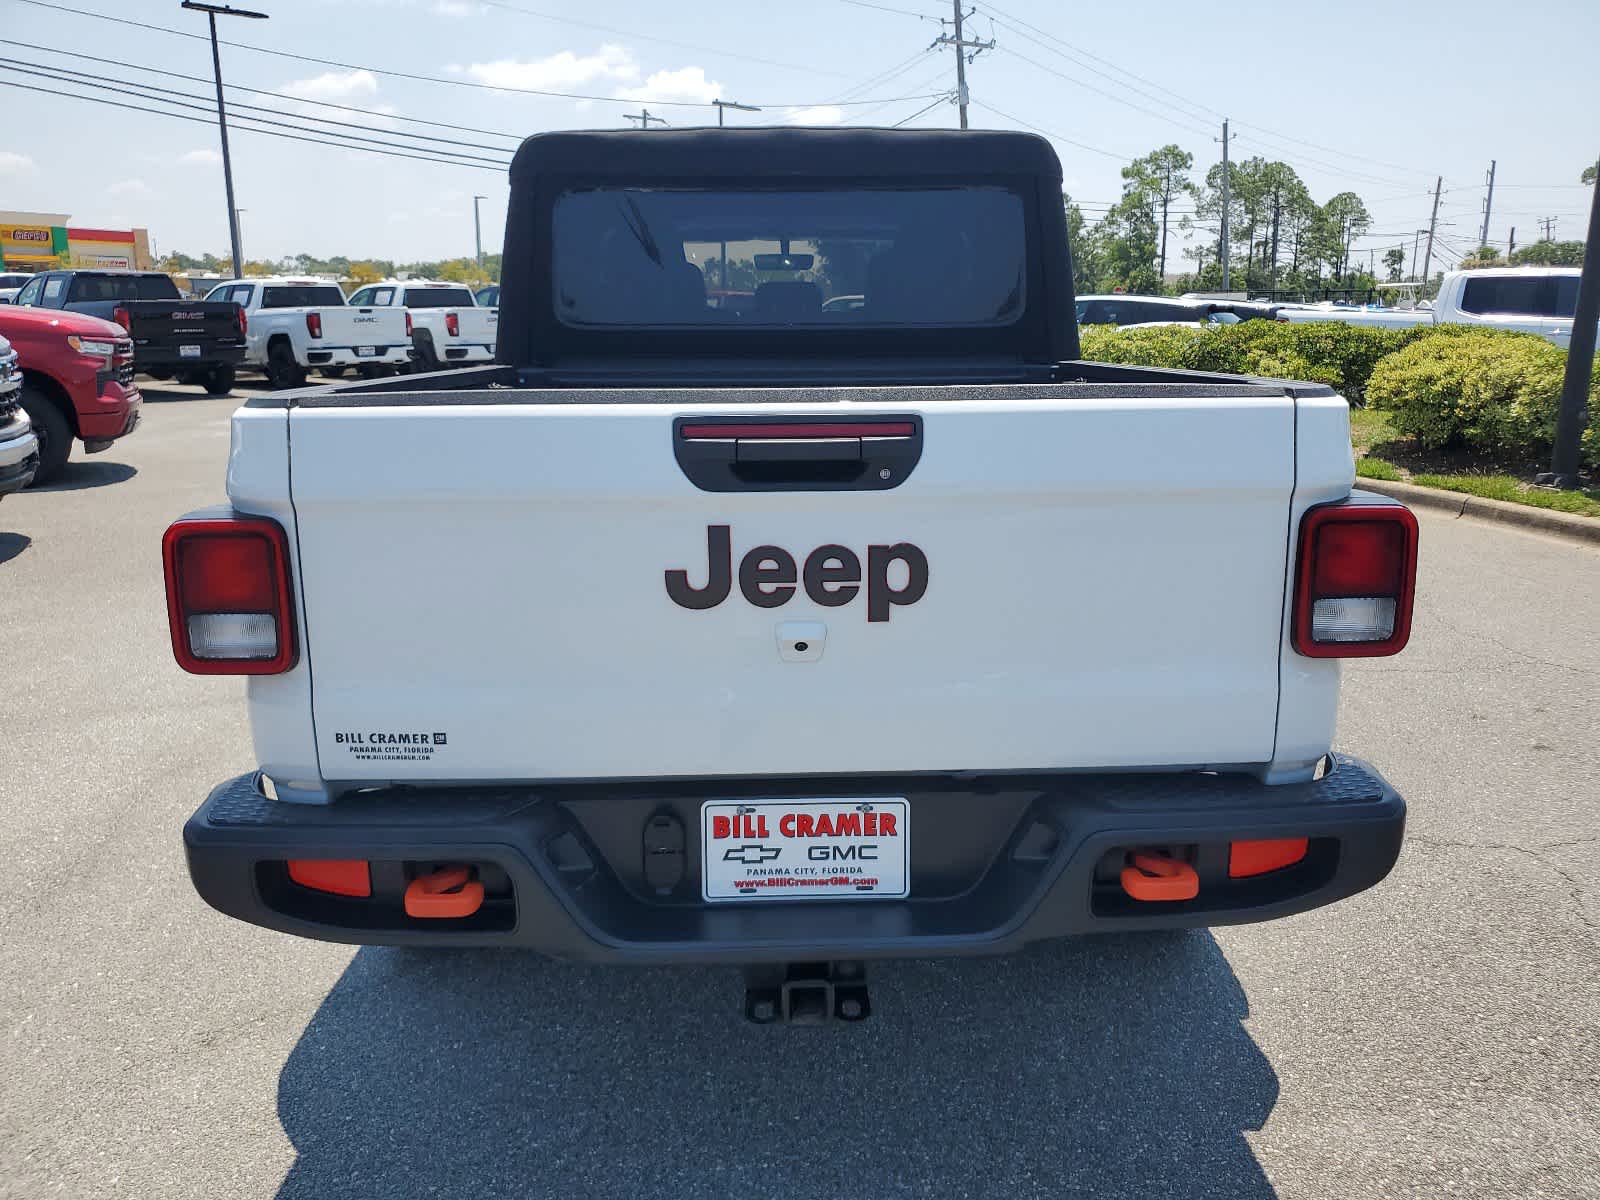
(832, 576)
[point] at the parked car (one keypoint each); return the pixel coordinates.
(10, 284)
(19, 447)
(801, 638)
(447, 326)
(77, 381)
(295, 325)
(488, 297)
(1138, 311)
(173, 336)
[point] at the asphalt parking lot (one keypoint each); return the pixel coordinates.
(1438, 1035)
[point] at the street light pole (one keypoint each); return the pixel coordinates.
(724, 104)
(477, 229)
(722, 254)
(213, 11)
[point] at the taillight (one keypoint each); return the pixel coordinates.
(1355, 578)
(314, 324)
(120, 316)
(228, 600)
(452, 324)
(408, 324)
(241, 320)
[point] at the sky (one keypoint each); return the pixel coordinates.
(1368, 96)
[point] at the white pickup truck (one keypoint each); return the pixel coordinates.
(1537, 300)
(296, 325)
(789, 634)
(447, 327)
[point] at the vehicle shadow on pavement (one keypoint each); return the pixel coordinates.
(13, 544)
(81, 475)
(1111, 1066)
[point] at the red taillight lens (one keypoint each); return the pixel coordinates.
(228, 602)
(120, 316)
(1356, 577)
(314, 324)
(408, 324)
(452, 324)
(241, 319)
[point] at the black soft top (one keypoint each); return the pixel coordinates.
(549, 164)
(701, 153)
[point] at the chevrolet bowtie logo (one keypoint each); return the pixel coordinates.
(751, 855)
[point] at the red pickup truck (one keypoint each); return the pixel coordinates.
(77, 381)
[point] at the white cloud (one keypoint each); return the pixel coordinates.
(12, 163)
(456, 8)
(817, 114)
(200, 158)
(333, 85)
(129, 187)
(686, 83)
(559, 72)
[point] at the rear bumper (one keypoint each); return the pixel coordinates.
(992, 869)
(348, 356)
(165, 357)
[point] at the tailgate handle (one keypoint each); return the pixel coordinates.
(800, 454)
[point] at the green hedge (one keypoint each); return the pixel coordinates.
(1488, 390)
(1330, 352)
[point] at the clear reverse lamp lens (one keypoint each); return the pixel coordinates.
(1353, 619)
(233, 635)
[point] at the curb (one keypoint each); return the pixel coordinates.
(1460, 504)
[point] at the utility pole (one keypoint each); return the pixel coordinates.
(961, 46)
(644, 118)
(1574, 412)
(477, 230)
(213, 11)
(1549, 224)
(1227, 203)
(1415, 242)
(1488, 205)
(238, 215)
(734, 104)
(1433, 224)
(1511, 242)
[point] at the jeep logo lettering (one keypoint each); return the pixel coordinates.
(831, 576)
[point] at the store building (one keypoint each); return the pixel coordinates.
(34, 241)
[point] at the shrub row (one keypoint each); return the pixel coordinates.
(1490, 391)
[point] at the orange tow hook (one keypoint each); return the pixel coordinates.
(447, 892)
(1157, 877)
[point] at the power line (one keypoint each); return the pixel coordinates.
(1203, 109)
(210, 109)
(1101, 91)
(945, 99)
(85, 79)
(1052, 135)
(903, 12)
(211, 121)
(417, 76)
(238, 87)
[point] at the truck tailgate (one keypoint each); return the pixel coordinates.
(363, 326)
(485, 587)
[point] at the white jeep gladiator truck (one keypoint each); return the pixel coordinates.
(789, 636)
(447, 327)
(293, 326)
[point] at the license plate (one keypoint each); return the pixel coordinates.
(845, 849)
(366, 351)
(188, 351)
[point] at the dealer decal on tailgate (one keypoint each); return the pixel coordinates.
(845, 849)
